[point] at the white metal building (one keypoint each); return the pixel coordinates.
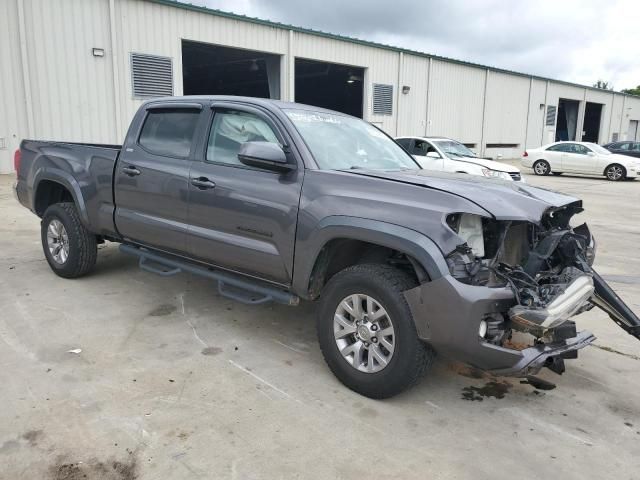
(76, 70)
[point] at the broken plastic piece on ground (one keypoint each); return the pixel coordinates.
(538, 383)
(75, 350)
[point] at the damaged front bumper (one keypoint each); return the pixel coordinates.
(449, 315)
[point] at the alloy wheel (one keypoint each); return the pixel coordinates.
(58, 241)
(364, 333)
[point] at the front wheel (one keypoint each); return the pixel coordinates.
(615, 172)
(366, 331)
(541, 167)
(70, 249)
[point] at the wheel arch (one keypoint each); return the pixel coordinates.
(52, 186)
(355, 238)
(604, 172)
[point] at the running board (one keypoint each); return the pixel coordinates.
(229, 285)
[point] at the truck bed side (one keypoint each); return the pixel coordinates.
(53, 171)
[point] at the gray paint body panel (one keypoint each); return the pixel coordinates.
(273, 226)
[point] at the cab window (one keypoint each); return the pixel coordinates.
(169, 132)
(232, 128)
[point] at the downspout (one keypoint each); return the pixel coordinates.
(544, 113)
(624, 101)
(613, 102)
(484, 108)
(291, 91)
(114, 68)
(526, 127)
(398, 93)
(25, 69)
(426, 125)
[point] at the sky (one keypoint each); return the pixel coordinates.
(578, 41)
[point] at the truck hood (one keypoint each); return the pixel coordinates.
(504, 200)
(490, 164)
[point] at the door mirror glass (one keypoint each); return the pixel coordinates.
(266, 155)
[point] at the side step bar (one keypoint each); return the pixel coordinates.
(229, 285)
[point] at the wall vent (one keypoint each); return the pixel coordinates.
(382, 99)
(151, 76)
(614, 137)
(551, 116)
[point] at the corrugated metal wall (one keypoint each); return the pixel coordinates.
(53, 87)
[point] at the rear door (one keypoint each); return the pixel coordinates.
(243, 218)
(151, 184)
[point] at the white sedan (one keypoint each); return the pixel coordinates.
(446, 155)
(580, 157)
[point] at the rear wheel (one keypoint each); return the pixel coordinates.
(70, 249)
(615, 172)
(366, 331)
(541, 167)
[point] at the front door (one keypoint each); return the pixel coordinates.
(243, 218)
(151, 184)
(577, 159)
(426, 155)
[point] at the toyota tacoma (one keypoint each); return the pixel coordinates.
(285, 202)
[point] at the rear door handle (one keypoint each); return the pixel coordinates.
(131, 171)
(203, 183)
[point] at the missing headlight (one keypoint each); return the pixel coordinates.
(470, 229)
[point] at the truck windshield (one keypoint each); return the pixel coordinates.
(339, 142)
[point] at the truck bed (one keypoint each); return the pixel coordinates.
(85, 169)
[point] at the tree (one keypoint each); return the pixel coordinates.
(632, 91)
(603, 85)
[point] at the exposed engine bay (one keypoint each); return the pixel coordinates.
(547, 265)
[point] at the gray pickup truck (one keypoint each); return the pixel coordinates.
(282, 202)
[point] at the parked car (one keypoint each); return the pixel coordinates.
(447, 155)
(580, 157)
(282, 202)
(631, 149)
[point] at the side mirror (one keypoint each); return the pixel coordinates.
(265, 155)
(591, 154)
(433, 155)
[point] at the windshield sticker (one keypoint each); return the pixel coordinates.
(313, 118)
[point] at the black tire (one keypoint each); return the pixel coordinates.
(615, 172)
(411, 357)
(83, 249)
(541, 167)
(557, 174)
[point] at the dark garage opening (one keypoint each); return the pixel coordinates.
(213, 70)
(567, 120)
(329, 85)
(592, 117)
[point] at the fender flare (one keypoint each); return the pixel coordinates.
(415, 244)
(66, 180)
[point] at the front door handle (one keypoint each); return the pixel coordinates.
(131, 171)
(203, 183)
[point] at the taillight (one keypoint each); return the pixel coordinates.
(525, 154)
(16, 160)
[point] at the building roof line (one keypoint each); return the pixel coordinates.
(368, 43)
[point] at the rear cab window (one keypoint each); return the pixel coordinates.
(169, 132)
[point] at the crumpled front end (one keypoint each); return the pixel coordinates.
(513, 289)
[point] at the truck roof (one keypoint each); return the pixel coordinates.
(266, 102)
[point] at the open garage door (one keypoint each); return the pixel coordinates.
(214, 70)
(591, 126)
(566, 126)
(330, 85)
